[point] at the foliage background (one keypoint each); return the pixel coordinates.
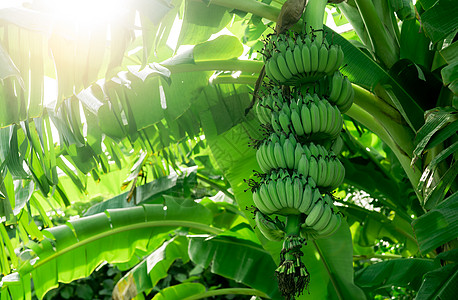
(106, 173)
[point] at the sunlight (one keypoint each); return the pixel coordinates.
(87, 13)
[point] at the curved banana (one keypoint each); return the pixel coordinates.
(296, 121)
(306, 200)
(272, 189)
(268, 228)
(313, 169)
(322, 171)
(281, 192)
(332, 59)
(262, 164)
(297, 53)
(303, 166)
(323, 113)
(315, 115)
(275, 123)
(346, 86)
(298, 151)
(290, 61)
(340, 57)
(331, 227)
(306, 59)
(306, 119)
(284, 122)
(283, 67)
(271, 155)
(314, 56)
(315, 214)
(298, 189)
(274, 70)
(288, 153)
(315, 152)
(279, 157)
(336, 86)
(325, 218)
(264, 198)
(322, 58)
(330, 117)
(259, 203)
(289, 192)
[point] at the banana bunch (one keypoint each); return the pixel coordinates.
(294, 59)
(297, 155)
(312, 160)
(341, 92)
(316, 119)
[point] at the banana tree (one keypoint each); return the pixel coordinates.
(129, 101)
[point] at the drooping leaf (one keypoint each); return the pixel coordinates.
(146, 274)
(440, 284)
(254, 266)
(438, 226)
(401, 272)
(180, 291)
(73, 251)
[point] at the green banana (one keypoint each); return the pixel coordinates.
(298, 189)
(315, 152)
(306, 200)
(275, 123)
(281, 192)
(313, 169)
(298, 151)
(279, 158)
(332, 59)
(262, 164)
(346, 86)
(340, 57)
(290, 61)
(260, 204)
(288, 153)
(330, 117)
(338, 122)
(289, 192)
(283, 67)
(272, 189)
(306, 119)
(323, 112)
(271, 155)
(336, 86)
(331, 227)
(315, 214)
(325, 218)
(322, 172)
(297, 53)
(264, 197)
(296, 121)
(274, 70)
(284, 122)
(268, 228)
(303, 166)
(322, 58)
(315, 115)
(306, 59)
(314, 56)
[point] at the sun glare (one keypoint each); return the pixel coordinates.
(87, 13)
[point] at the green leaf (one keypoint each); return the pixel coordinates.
(201, 21)
(440, 20)
(223, 47)
(435, 119)
(440, 284)
(254, 266)
(403, 272)
(146, 274)
(438, 226)
(404, 9)
(180, 291)
(73, 251)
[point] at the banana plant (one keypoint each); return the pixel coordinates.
(120, 105)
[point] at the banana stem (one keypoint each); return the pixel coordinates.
(314, 16)
(292, 225)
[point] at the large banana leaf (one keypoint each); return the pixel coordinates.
(74, 250)
(330, 260)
